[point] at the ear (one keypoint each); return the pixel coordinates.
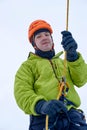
(53, 46)
(53, 42)
(33, 43)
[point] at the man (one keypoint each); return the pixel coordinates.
(38, 79)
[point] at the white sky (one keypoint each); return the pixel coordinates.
(15, 17)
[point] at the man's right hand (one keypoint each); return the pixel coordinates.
(50, 108)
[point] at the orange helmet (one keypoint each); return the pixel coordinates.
(36, 25)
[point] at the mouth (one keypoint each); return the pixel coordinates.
(45, 43)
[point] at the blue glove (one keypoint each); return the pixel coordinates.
(69, 45)
(50, 108)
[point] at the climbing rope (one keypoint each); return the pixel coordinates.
(67, 22)
(67, 15)
(63, 88)
(63, 83)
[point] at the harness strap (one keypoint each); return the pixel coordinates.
(66, 101)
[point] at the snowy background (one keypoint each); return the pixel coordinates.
(15, 17)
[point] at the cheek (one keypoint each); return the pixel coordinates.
(52, 43)
(37, 44)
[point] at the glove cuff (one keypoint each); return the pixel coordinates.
(39, 106)
(72, 56)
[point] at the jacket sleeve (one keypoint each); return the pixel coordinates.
(78, 71)
(24, 92)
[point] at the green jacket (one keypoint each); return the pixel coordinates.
(38, 78)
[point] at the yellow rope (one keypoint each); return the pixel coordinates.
(63, 83)
(67, 22)
(47, 118)
(67, 15)
(60, 87)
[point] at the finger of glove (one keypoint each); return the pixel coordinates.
(70, 46)
(50, 108)
(66, 33)
(69, 43)
(66, 39)
(62, 106)
(53, 107)
(59, 106)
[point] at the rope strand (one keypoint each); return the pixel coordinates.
(67, 22)
(61, 85)
(67, 15)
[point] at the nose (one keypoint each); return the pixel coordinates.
(44, 36)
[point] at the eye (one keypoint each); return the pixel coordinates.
(47, 34)
(38, 36)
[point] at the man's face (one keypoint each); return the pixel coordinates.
(43, 41)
